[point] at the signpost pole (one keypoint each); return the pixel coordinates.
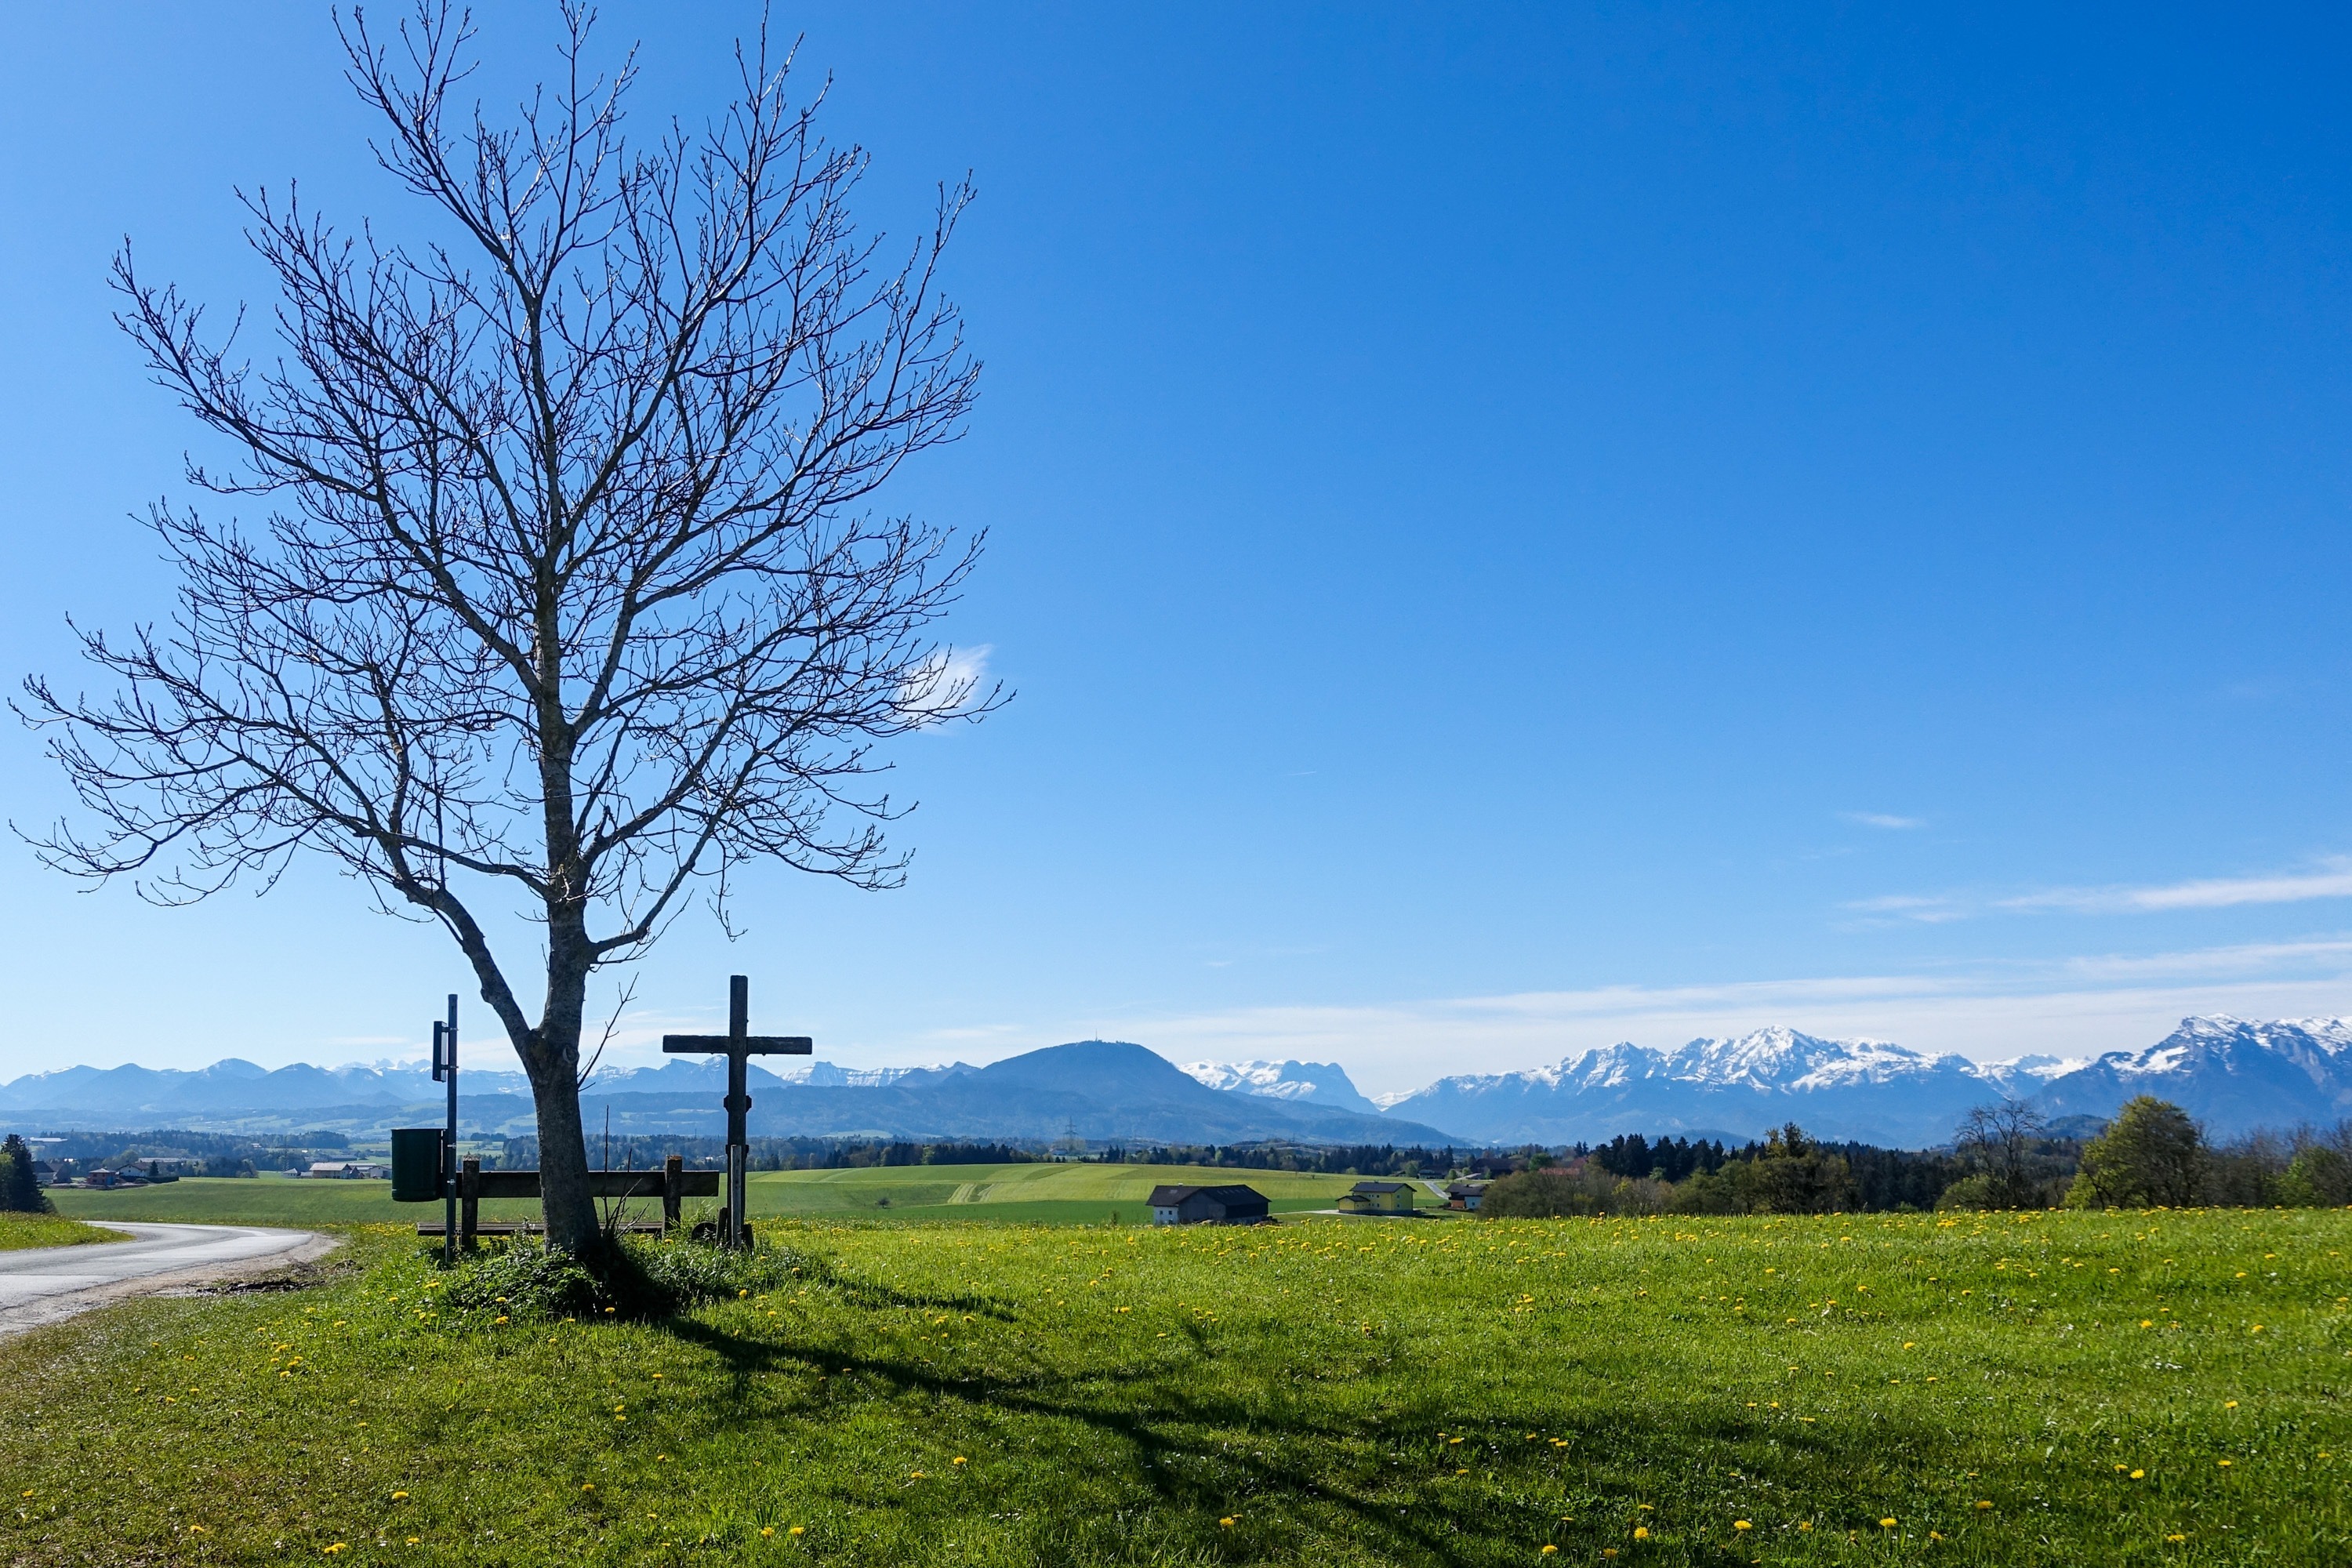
(739, 1101)
(445, 1069)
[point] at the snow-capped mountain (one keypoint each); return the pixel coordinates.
(2231, 1074)
(1744, 1085)
(1322, 1083)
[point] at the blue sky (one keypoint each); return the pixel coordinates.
(1511, 530)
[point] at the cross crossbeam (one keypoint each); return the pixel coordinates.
(738, 1045)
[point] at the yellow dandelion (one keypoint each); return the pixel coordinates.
(399, 1497)
(588, 1486)
(2224, 1464)
(797, 1530)
(1226, 1522)
(1548, 1550)
(2176, 1540)
(1984, 1503)
(1741, 1524)
(1886, 1524)
(1641, 1532)
(957, 1460)
(767, 1530)
(2139, 1475)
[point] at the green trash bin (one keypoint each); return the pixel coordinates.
(417, 1174)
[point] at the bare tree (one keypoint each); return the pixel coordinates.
(2001, 1137)
(569, 600)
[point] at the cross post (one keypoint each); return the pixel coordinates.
(739, 1045)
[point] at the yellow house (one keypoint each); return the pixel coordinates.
(1378, 1197)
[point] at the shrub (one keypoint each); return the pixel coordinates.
(1981, 1191)
(2151, 1154)
(630, 1276)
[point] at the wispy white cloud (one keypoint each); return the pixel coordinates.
(2333, 879)
(1881, 819)
(1911, 907)
(952, 681)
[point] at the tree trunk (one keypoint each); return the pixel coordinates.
(564, 1198)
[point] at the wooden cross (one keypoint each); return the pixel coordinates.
(739, 1045)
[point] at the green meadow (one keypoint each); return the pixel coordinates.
(2051, 1388)
(1041, 1192)
(18, 1230)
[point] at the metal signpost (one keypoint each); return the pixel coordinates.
(444, 1068)
(738, 1044)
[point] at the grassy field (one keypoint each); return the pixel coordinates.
(2060, 1389)
(1025, 1193)
(1028, 1194)
(50, 1231)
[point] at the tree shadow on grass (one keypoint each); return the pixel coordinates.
(1204, 1446)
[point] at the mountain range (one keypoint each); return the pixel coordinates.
(1100, 1091)
(2230, 1073)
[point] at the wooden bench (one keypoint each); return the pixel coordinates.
(673, 1185)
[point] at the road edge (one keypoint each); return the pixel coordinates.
(49, 1310)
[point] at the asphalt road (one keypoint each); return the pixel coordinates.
(42, 1284)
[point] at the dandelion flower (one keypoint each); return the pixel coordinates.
(2229, 1405)
(1741, 1524)
(1548, 1550)
(588, 1486)
(398, 1497)
(1641, 1532)
(2224, 1464)
(1226, 1522)
(1983, 1503)
(2176, 1540)
(797, 1530)
(1886, 1524)
(957, 1460)
(767, 1530)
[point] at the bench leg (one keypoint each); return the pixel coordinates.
(469, 1202)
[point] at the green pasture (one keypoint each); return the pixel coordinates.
(19, 1230)
(1041, 1192)
(2060, 1389)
